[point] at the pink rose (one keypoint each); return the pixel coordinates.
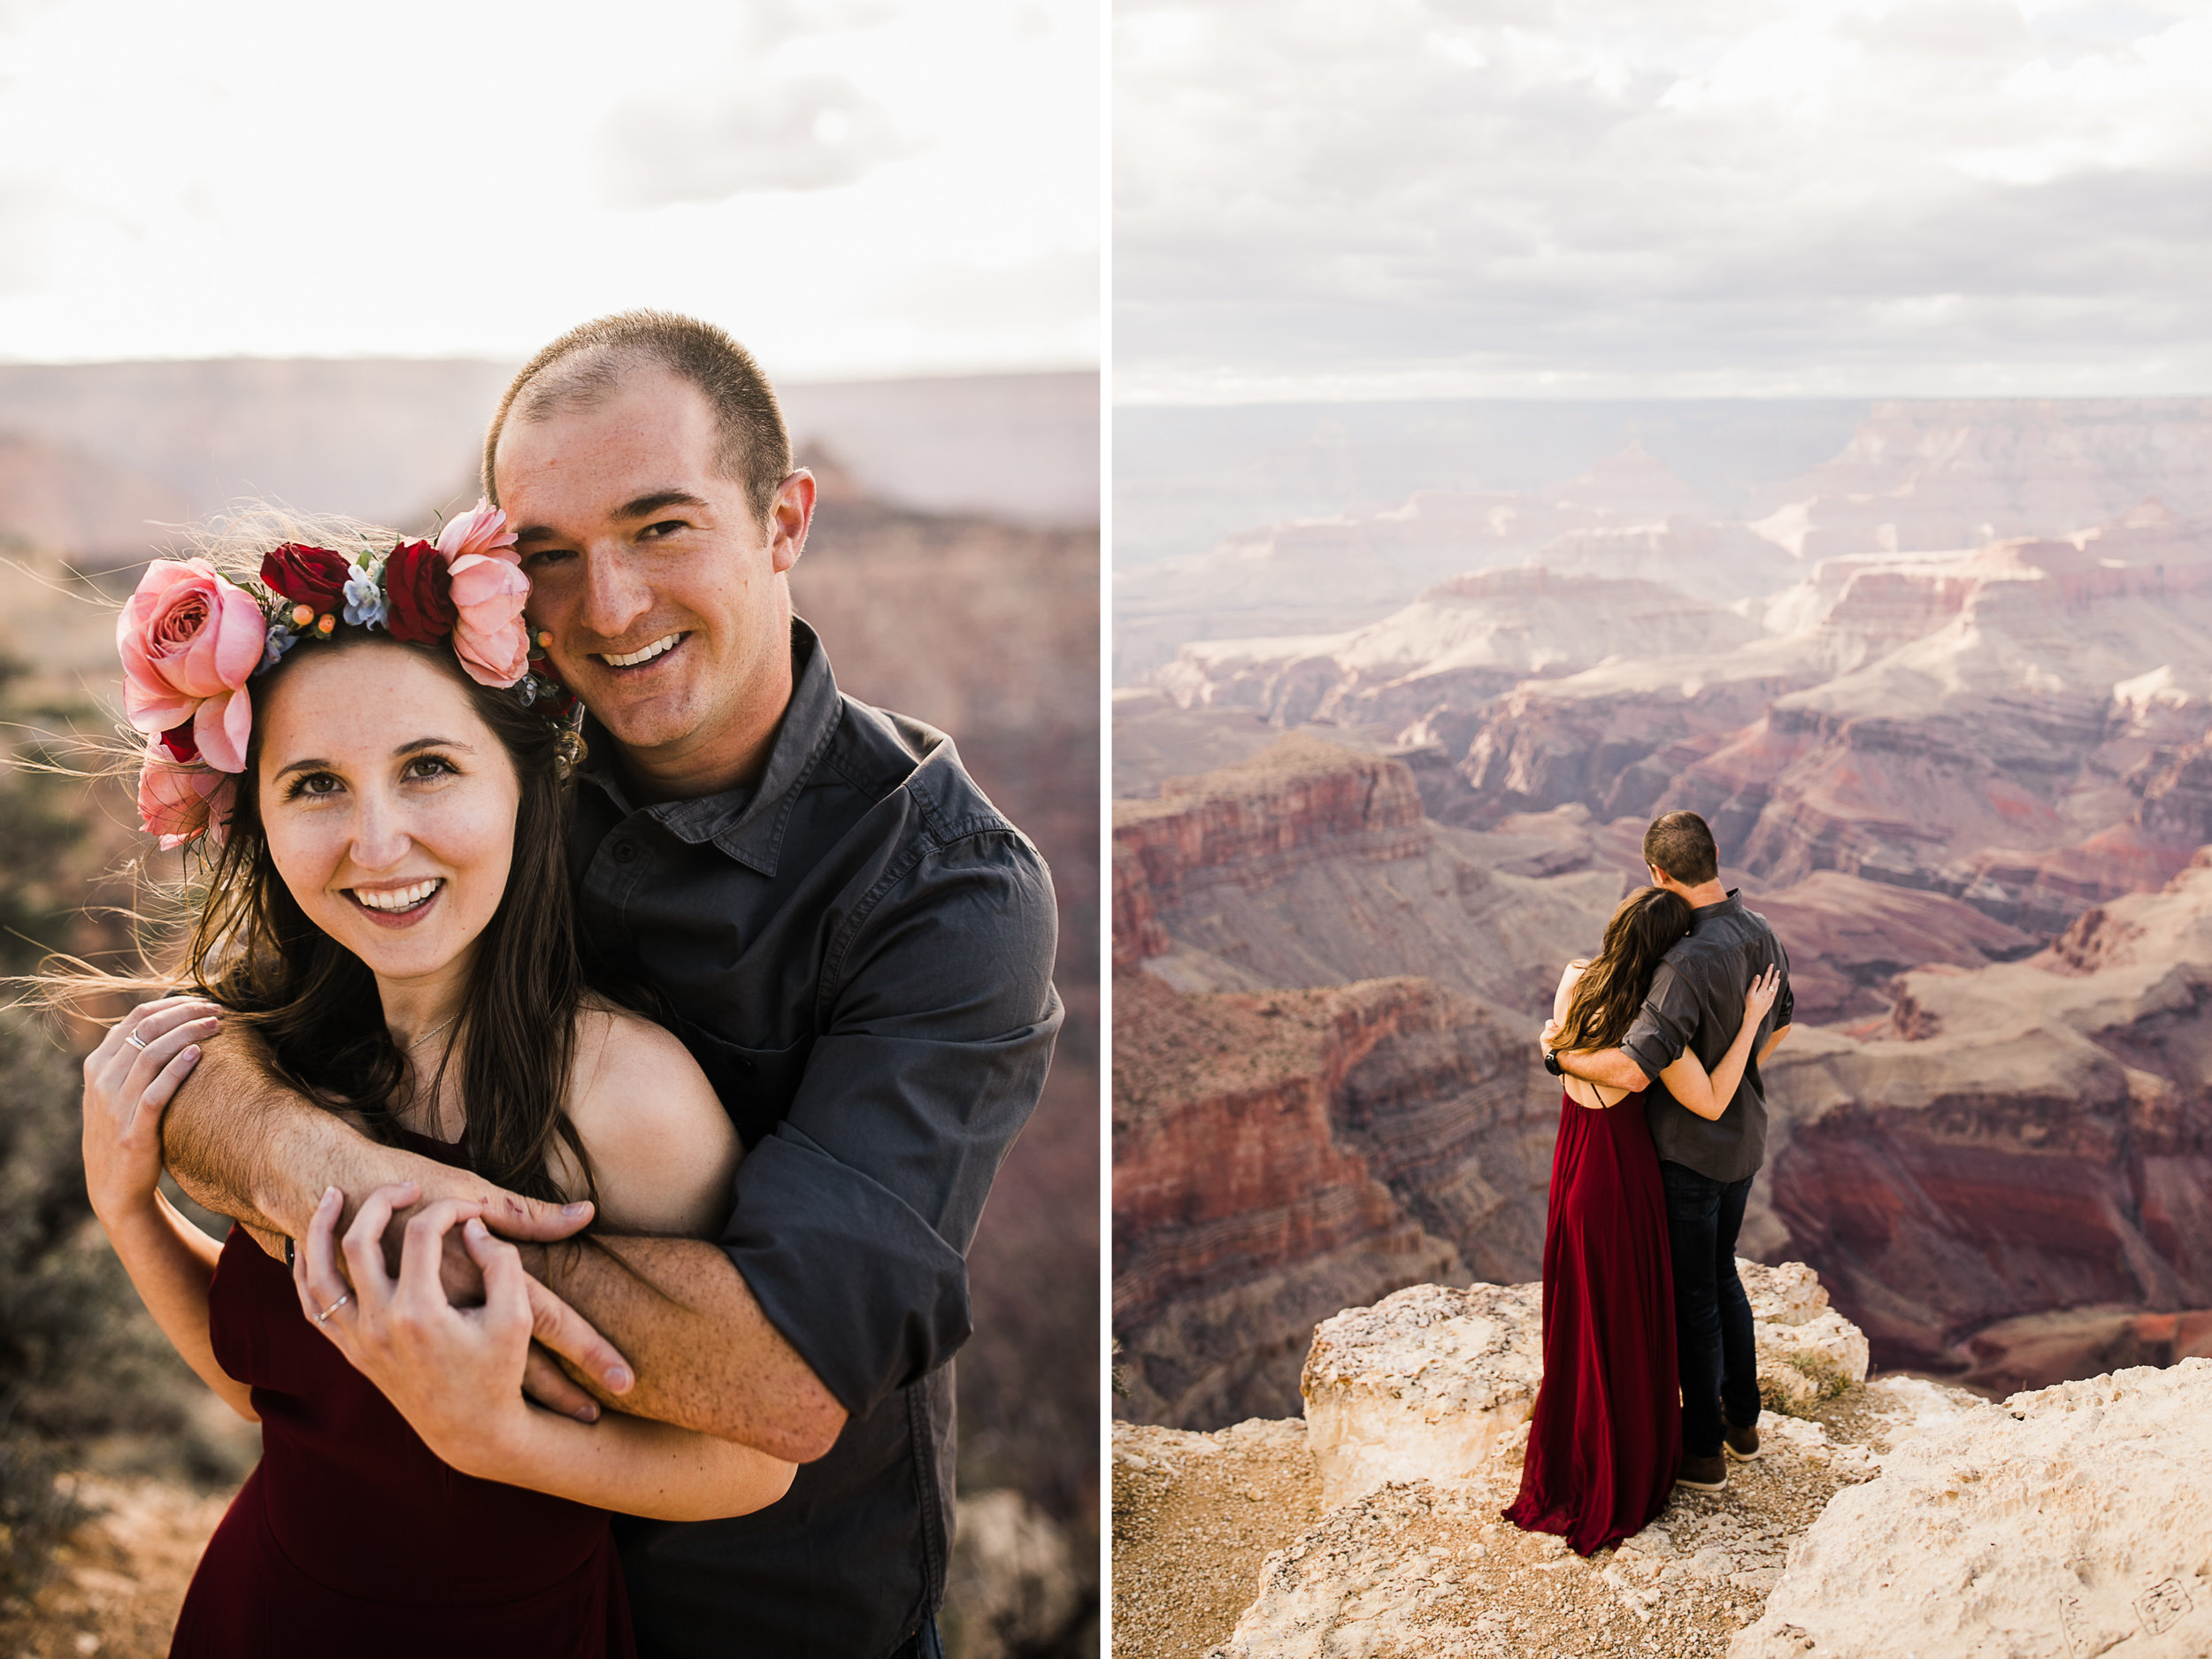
(189, 640)
(178, 803)
(489, 634)
(478, 531)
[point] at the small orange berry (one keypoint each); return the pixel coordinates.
(302, 615)
(328, 623)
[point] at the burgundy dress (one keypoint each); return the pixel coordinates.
(1607, 1435)
(352, 1539)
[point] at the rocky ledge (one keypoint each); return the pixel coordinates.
(2073, 1521)
(1894, 1515)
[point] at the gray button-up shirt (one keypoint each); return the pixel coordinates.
(1696, 1002)
(858, 953)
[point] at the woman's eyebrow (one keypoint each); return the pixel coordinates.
(433, 743)
(303, 766)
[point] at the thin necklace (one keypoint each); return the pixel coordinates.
(432, 1032)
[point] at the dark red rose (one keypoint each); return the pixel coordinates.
(418, 594)
(179, 741)
(306, 576)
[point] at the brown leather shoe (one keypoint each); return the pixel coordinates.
(1702, 1474)
(1738, 1443)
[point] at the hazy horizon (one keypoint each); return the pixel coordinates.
(1819, 198)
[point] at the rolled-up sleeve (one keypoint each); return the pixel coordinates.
(1665, 1025)
(854, 1215)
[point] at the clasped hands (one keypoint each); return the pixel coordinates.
(450, 1368)
(410, 1335)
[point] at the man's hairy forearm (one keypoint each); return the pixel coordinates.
(243, 1145)
(705, 1355)
(1612, 1067)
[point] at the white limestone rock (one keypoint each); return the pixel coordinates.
(1422, 1386)
(2072, 1523)
(1383, 1574)
(1807, 1351)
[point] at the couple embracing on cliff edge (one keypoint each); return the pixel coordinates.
(1662, 1127)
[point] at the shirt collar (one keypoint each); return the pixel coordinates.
(747, 822)
(1728, 906)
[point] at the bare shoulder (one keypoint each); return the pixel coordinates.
(1567, 978)
(662, 1147)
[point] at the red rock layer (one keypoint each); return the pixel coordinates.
(1300, 800)
(2024, 1140)
(1277, 1152)
(2039, 1349)
(1138, 933)
(1226, 1163)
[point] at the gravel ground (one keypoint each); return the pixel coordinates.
(1428, 1569)
(120, 1577)
(1195, 1518)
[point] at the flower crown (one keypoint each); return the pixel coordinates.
(191, 639)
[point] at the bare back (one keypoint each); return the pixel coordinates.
(1582, 1092)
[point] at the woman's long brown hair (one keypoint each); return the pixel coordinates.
(1603, 1003)
(250, 947)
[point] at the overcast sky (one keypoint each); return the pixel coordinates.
(1372, 199)
(855, 187)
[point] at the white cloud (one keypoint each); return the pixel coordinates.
(435, 177)
(1450, 197)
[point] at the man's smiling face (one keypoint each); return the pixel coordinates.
(665, 594)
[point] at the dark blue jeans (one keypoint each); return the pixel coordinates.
(924, 1644)
(1714, 1349)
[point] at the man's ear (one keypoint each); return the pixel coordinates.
(789, 517)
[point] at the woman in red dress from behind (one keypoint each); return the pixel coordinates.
(383, 905)
(1607, 1432)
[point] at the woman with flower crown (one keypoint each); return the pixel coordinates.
(369, 768)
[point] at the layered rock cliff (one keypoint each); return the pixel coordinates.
(1237, 1204)
(2028, 1137)
(1274, 1151)
(1288, 1126)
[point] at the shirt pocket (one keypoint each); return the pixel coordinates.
(757, 1085)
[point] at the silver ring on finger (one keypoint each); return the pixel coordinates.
(136, 1042)
(343, 1299)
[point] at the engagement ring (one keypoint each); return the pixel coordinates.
(333, 1307)
(133, 1041)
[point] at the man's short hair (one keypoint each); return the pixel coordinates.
(1681, 845)
(587, 364)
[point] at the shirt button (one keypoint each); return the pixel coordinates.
(624, 852)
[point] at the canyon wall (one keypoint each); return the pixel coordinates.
(1284, 1140)
(2029, 1137)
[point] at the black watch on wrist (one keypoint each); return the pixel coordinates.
(1551, 1062)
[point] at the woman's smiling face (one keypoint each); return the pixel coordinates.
(388, 806)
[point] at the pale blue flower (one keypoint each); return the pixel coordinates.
(365, 597)
(281, 640)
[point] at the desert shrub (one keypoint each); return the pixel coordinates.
(78, 1357)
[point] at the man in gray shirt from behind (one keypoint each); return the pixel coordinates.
(1696, 1002)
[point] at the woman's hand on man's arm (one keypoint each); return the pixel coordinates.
(243, 1143)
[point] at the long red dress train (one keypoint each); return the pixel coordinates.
(352, 1541)
(1607, 1435)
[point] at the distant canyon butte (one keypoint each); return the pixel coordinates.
(1946, 699)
